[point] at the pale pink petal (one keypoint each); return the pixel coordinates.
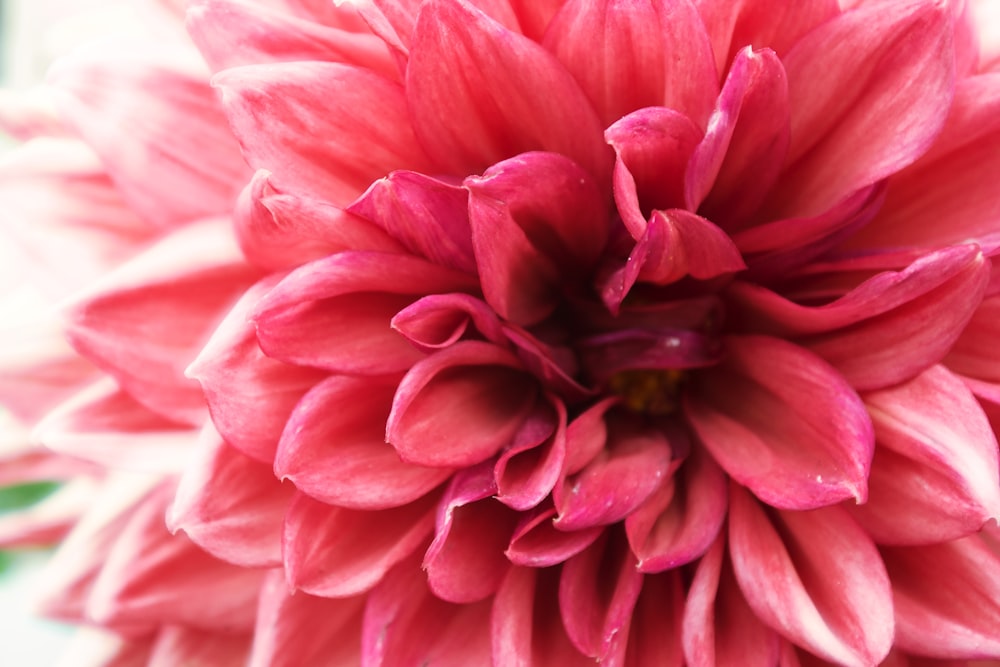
(869, 92)
(629, 55)
(47, 521)
(179, 645)
(815, 577)
(339, 552)
(598, 590)
(783, 423)
(249, 395)
(719, 628)
(300, 630)
(480, 93)
(26, 114)
(323, 129)
(230, 505)
(94, 647)
(536, 542)
(405, 624)
(459, 406)
(946, 597)
(141, 91)
(333, 448)
(935, 475)
(654, 637)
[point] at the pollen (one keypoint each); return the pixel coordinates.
(650, 392)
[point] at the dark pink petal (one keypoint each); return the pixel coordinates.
(815, 577)
(946, 597)
(429, 217)
(459, 406)
(526, 626)
(735, 165)
(652, 148)
(334, 313)
(869, 91)
(282, 231)
(465, 562)
(529, 468)
(973, 353)
(405, 624)
(480, 93)
(586, 435)
(536, 541)
(682, 518)
(338, 552)
(323, 129)
(230, 33)
(300, 630)
(230, 505)
(719, 628)
(105, 425)
(141, 91)
(554, 365)
(603, 356)
(628, 56)
(618, 480)
(654, 637)
(178, 645)
(935, 475)
(598, 590)
(148, 319)
(49, 520)
(440, 320)
(333, 448)
(783, 423)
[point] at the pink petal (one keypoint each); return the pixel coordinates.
(47, 521)
(783, 423)
(616, 482)
(628, 56)
(681, 519)
(586, 435)
(144, 92)
(946, 597)
(815, 577)
(974, 352)
(277, 230)
(229, 33)
(250, 395)
(465, 562)
(526, 626)
(147, 320)
(935, 475)
(654, 637)
(459, 406)
(178, 645)
(300, 630)
(429, 217)
(529, 468)
(480, 93)
(536, 541)
(740, 157)
(281, 113)
(438, 321)
(230, 505)
(334, 313)
(598, 590)
(858, 113)
(719, 628)
(652, 148)
(404, 624)
(334, 448)
(338, 552)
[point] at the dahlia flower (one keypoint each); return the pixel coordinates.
(508, 332)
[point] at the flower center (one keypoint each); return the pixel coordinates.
(650, 392)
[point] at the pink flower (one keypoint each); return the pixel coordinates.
(648, 333)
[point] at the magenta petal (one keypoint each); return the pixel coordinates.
(783, 423)
(598, 590)
(430, 217)
(946, 597)
(333, 448)
(869, 91)
(465, 562)
(935, 475)
(249, 395)
(682, 518)
(973, 354)
(480, 93)
(286, 632)
(459, 406)
(281, 112)
(815, 577)
(338, 552)
(719, 627)
(628, 55)
(230, 505)
(536, 542)
(678, 243)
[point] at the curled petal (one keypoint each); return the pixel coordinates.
(536, 541)
(527, 471)
(439, 320)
